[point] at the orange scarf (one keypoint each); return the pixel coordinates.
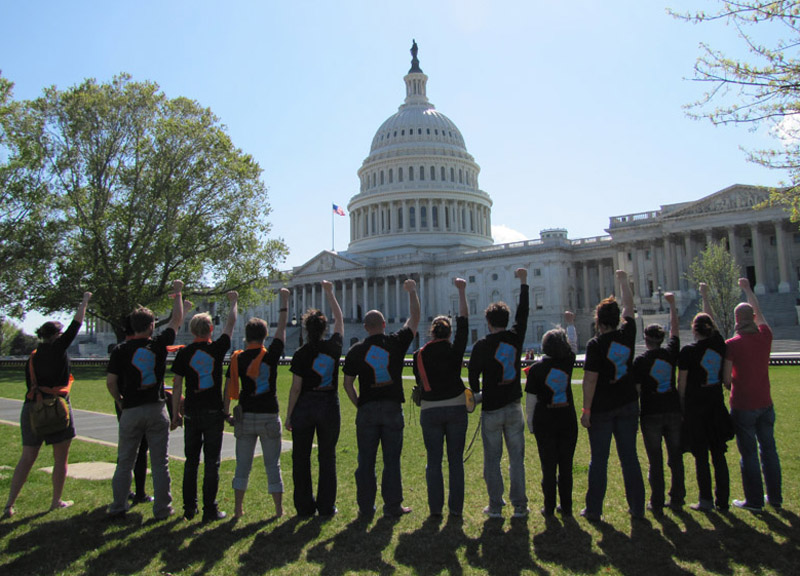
(252, 369)
(37, 390)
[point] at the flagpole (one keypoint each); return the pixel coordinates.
(333, 245)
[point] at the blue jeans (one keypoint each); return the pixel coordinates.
(148, 421)
(621, 423)
(315, 412)
(440, 424)
(507, 422)
(755, 436)
(654, 428)
(265, 428)
(202, 431)
(379, 423)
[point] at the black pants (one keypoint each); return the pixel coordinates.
(556, 438)
(202, 432)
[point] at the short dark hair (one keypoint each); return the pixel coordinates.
(555, 344)
(141, 318)
(703, 324)
(654, 333)
(49, 329)
(497, 314)
(607, 313)
(255, 330)
(315, 323)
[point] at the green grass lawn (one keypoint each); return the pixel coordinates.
(79, 541)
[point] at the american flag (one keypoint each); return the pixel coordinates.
(338, 210)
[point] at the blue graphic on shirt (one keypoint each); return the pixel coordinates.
(557, 380)
(323, 365)
(144, 360)
(619, 355)
(203, 364)
(506, 354)
(262, 380)
(711, 363)
(661, 372)
(378, 359)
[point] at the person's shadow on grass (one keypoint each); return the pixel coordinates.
(272, 549)
(356, 548)
(503, 552)
(431, 550)
(565, 543)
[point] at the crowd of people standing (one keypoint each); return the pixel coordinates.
(622, 393)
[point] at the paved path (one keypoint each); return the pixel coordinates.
(102, 429)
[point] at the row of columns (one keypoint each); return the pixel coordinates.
(670, 258)
(451, 216)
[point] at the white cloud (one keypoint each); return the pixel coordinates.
(503, 235)
(788, 130)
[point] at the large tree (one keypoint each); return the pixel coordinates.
(716, 267)
(143, 190)
(759, 86)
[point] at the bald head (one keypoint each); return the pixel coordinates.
(374, 322)
(745, 318)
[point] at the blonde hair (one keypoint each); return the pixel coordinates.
(201, 324)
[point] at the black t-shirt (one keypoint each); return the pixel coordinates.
(139, 365)
(497, 358)
(703, 362)
(200, 364)
(258, 395)
(611, 356)
(317, 363)
(443, 361)
(551, 381)
(51, 361)
(654, 371)
(377, 361)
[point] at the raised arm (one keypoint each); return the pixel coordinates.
(704, 294)
(744, 284)
(80, 313)
(233, 313)
(410, 286)
(625, 293)
(461, 286)
(674, 324)
(336, 310)
(572, 333)
(283, 315)
(177, 306)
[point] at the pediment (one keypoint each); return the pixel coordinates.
(327, 262)
(732, 199)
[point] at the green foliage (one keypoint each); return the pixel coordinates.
(761, 87)
(8, 330)
(716, 267)
(22, 344)
(142, 190)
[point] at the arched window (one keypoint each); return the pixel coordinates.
(441, 174)
(412, 218)
(373, 223)
(381, 177)
(422, 173)
(391, 176)
(460, 176)
(452, 175)
(400, 174)
(373, 179)
(433, 173)
(435, 216)
(399, 218)
(423, 216)
(410, 173)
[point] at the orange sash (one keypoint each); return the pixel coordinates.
(252, 369)
(37, 390)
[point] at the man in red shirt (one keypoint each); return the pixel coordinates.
(746, 374)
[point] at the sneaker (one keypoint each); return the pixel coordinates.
(590, 517)
(8, 512)
(190, 514)
(397, 512)
(565, 512)
(165, 515)
(521, 512)
(546, 513)
(745, 506)
(214, 516)
(62, 504)
(492, 513)
(702, 506)
(141, 498)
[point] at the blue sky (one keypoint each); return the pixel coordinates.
(572, 110)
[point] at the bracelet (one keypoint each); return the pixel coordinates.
(585, 411)
(283, 310)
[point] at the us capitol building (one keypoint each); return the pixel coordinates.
(420, 213)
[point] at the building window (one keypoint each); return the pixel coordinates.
(441, 174)
(772, 241)
(423, 216)
(422, 173)
(373, 222)
(538, 272)
(427, 130)
(381, 177)
(460, 176)
(400, 174)
(538, 303)
(410, 173)
(412, 217)
(433, 173)
(452, 175)
(435, 216)
(472, 279)
(647, 254)
(473, 306)
(391, 176)
(400, 218)
(373, 179)
(446, 217)
(494, 277)
(630, 257)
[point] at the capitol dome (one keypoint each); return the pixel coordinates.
(419, 185)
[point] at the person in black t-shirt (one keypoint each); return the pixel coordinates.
(377, 362)
(707, 427)
(51, 376)
(443, 410)
(314, 408)
(135, 380)
(200, 365)
(255, 371)
(551, 416)
(610, 402)
(661, 417)
(496, 360)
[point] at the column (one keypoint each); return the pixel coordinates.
(314, 295)
(386, 296)
(601, 283)
(365, 308)
(758, 259)
(671, 265)
(397, 297)
(354, 299)
(392, 218)
(420, 291)
(635, 275)
(405, 217)
(375, 292)
(586, 304)
(344, 299)
(781, 240)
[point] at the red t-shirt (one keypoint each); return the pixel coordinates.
(750, 378)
